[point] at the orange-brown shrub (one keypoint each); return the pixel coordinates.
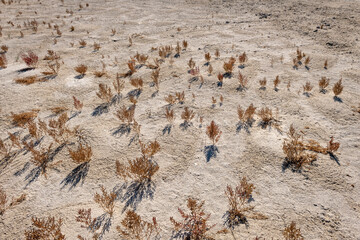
(213, 132)
(81, 69)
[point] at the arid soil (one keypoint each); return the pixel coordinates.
(322, 198)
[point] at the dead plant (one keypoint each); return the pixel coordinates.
(81, 69)
(326, 64)
(141, 58)
(213, 132)
(118, 85)
(187, 115)
(276, 83)
(105, 93)
(180, 96)
(96, 47)
(238, 200)
(137, 83)
(77, 104)
(268, 119)
(185, 44)
(307, 88)
(217, 53)
(207, 57)
(155, 78)
(30, 58)
(243, 81)
(3, 61)
(338, 87)
(82, 154)
(4, 48)
(106, 200)
(263, 83)
(49, 228)
(170, 99)
(53, 69)
(194, 225)
(169, 114)
(82, 43)
(134, 228)
(30, 80)
(23, 118)
(126, 115)
(323, 84)
(292, 233)
(242, 59)
(295, 150)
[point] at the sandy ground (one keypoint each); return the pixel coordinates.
(323, 199)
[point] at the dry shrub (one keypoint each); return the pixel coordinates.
(169, 114)
(268, 119)
(248, 115)
(58, 110)
(155, 78)
(113, 31)
(51, 56)
(3, 61)
(220, 78)
(137, 83)
(96, 47)
(141, 58)
(210, 69)
(21, 119)
(170, 99)
(133, 227)
(323, 84)
(126, 115)
(332, 146)
(217, 53)
(156, 64)
(238, 200)
(326, 64)
(165, 51)
(187, 115)
(207, 57)
(82, 154)
(30, 58)
(243, 58)
(194, 225)
(191, 63)
(77, 104)
(82, 43)
(276, 83)
(53, 69)
(3, 201)
(104, 93)
(307, 87)
(229, 66)
(106, 200)
(45, 229)
(307, 61)
(180, 97)
(243, 81)
(292, 233)
(177, 49)
(99, 74)
(185, 44)
(195, 71)
(140, 170)
(118, 85)
(29, 80)
(4, 48)
(14, 201)
(338, 87)
(263, 83)
(213, 132)
(295, 150)
(81, 69)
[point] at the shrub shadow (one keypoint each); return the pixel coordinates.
(25, 70)
(103, 220)
(244, 125)
(334, 157)
(134, 93)
(134, 192)
(337, 99)
(227, 75)
(102, 108)
(121, 130)
(36, 171)
(80, 76)
(185, 125)
(167, 129)
(232, 222)
(77, 174)
(210, 152)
